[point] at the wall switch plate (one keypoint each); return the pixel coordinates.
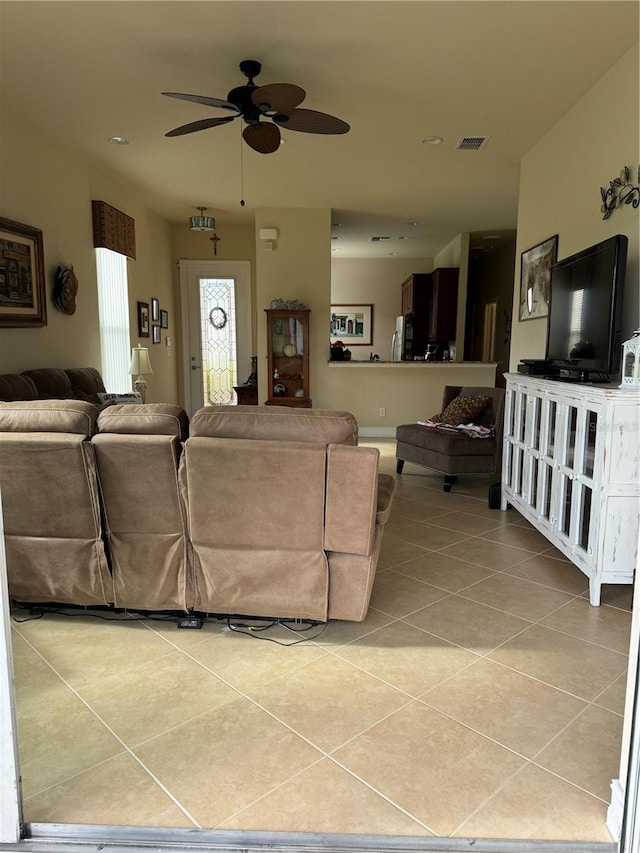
(382, 412)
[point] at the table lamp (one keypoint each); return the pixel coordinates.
(141, 366)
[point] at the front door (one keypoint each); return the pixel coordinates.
(216, 329)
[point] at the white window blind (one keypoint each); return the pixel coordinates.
(113, 307)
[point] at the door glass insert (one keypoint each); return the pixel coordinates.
(218, 337)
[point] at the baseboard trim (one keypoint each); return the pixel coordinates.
(615, 810)
(377, 432)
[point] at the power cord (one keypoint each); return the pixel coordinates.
(255, 630)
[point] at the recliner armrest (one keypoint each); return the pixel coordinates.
(386, 491)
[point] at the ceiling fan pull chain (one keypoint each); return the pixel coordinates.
(241, 169)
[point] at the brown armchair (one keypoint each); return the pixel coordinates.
(453, 453)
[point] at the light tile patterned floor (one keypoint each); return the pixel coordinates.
(482, 696)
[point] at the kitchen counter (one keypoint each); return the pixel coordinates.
(414, 364)
(384, 394)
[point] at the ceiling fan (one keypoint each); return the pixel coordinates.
(276, 101)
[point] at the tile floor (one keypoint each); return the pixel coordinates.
(482, 696)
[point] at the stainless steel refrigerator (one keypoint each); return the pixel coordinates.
(402, 341)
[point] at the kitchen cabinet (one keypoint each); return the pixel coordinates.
(443, 305)
(415, 307)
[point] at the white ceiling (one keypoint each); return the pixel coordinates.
(396, 71)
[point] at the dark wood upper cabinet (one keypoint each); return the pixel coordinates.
(443, 305)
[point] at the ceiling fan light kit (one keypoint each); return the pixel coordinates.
(254, 104)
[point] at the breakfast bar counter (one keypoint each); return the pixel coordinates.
(384, 394)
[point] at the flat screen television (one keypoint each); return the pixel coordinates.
(584, 330)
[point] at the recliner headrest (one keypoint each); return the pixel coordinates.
(71, 416)
(276, 423)
(145, 419)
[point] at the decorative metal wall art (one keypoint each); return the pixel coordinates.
(620, 191)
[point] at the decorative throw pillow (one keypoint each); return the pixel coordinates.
(462, 410)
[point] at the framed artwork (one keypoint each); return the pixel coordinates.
(164, 319)
(351, 324)
(155, 310)
(535, 278)
(143, 319)
(23, 300)
(156, 334)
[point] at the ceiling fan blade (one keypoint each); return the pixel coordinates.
(264, 138)
(311, 121)
(202, 124)
(278, 97)
(203, 99)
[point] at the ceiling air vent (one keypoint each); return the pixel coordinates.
(471, 143)
(379, 239)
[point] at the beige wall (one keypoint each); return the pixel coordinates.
(560, 182)
(298, 268)
(376, 282)
(48, 187)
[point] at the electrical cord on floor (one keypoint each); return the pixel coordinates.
(255, 630)
(251, 630)
(38, 611)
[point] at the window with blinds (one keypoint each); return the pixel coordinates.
(113, 307)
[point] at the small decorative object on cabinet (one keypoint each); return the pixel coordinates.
(571, 466)
(631, 362)
(248, 393)
(288, 357)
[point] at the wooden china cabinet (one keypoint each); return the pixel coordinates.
(288, 358)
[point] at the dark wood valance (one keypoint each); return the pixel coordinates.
(113, 229)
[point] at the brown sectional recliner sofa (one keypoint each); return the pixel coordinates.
(247, 510)
(52, 383)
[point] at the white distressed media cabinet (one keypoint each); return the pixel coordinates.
(571, 466)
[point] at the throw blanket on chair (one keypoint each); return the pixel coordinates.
(472, 430)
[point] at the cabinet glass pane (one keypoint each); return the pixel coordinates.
(510, 408)
(570, 438)
(534, 481)
(551, 436)
(537, 412)
(522, 408)
(545, 493)
(585, 517)
(590, 443)
(286, 337)
(566, 506)
(517, 470)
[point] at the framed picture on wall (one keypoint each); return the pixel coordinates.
(164, 319)
(156, 334)
(351, 324)
(535, 278)
(22, 288)
(155, 310)
(143, 319)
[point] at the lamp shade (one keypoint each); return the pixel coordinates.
(140, 364)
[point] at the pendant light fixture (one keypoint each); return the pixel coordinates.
(202, 222)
